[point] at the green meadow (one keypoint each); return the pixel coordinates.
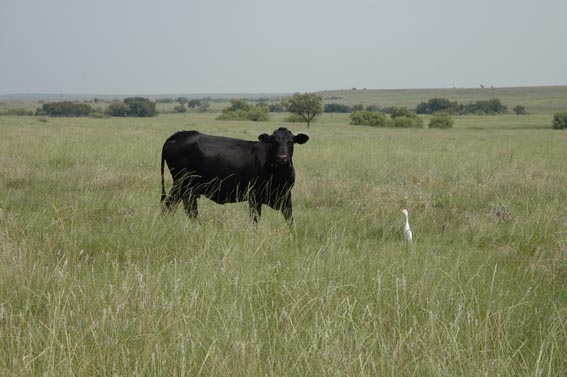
(94, 280)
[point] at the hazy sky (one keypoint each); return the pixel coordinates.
(269, 46)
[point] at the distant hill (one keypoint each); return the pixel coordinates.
(542, 99)
(34, 97)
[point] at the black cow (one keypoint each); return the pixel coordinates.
(229, 170)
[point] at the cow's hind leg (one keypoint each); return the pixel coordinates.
(190, 204)
(172, 200)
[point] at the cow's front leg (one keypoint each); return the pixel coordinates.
(286, 209)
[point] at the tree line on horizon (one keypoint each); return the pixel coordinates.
(129, 107)
(303, 107)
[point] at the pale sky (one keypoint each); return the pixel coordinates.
(269, 46)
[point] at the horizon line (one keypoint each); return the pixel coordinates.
(251, 93)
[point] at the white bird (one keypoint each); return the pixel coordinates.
(407, 230)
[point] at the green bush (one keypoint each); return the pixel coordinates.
(237, 105)
(405, 121)
(180, 109)
(258, 113)
(403, 118)
(441, 120)
(117, 109)
(396, 112)
(242, 110)
(65, 109)
(520, 110)
(560, 121)
(232, 115)
(369, 118)
(141, 107)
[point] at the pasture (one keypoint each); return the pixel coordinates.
(95, 281)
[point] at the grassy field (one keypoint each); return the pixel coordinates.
(95, 281)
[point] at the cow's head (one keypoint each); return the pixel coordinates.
(281, 145)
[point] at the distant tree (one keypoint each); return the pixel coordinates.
(435, 105)
(194, 103)
(306, 105)
(372, 108)
(337, 108)
(182, 100)
(496, 106)
(164, 100)
(141, 107)
(276, 108)
(117, 109)
(560, 121)
(204, 105)
(481, 107)
(441, 120)
(520, 110)
(358, 107)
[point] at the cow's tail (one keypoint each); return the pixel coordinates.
(162, 180)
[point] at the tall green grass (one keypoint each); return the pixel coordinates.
(95, 281)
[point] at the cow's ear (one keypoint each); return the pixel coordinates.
(264, 138)
(300, 138)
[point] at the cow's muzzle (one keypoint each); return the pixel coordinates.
(283, 159)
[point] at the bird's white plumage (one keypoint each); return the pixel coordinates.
(407, 230)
